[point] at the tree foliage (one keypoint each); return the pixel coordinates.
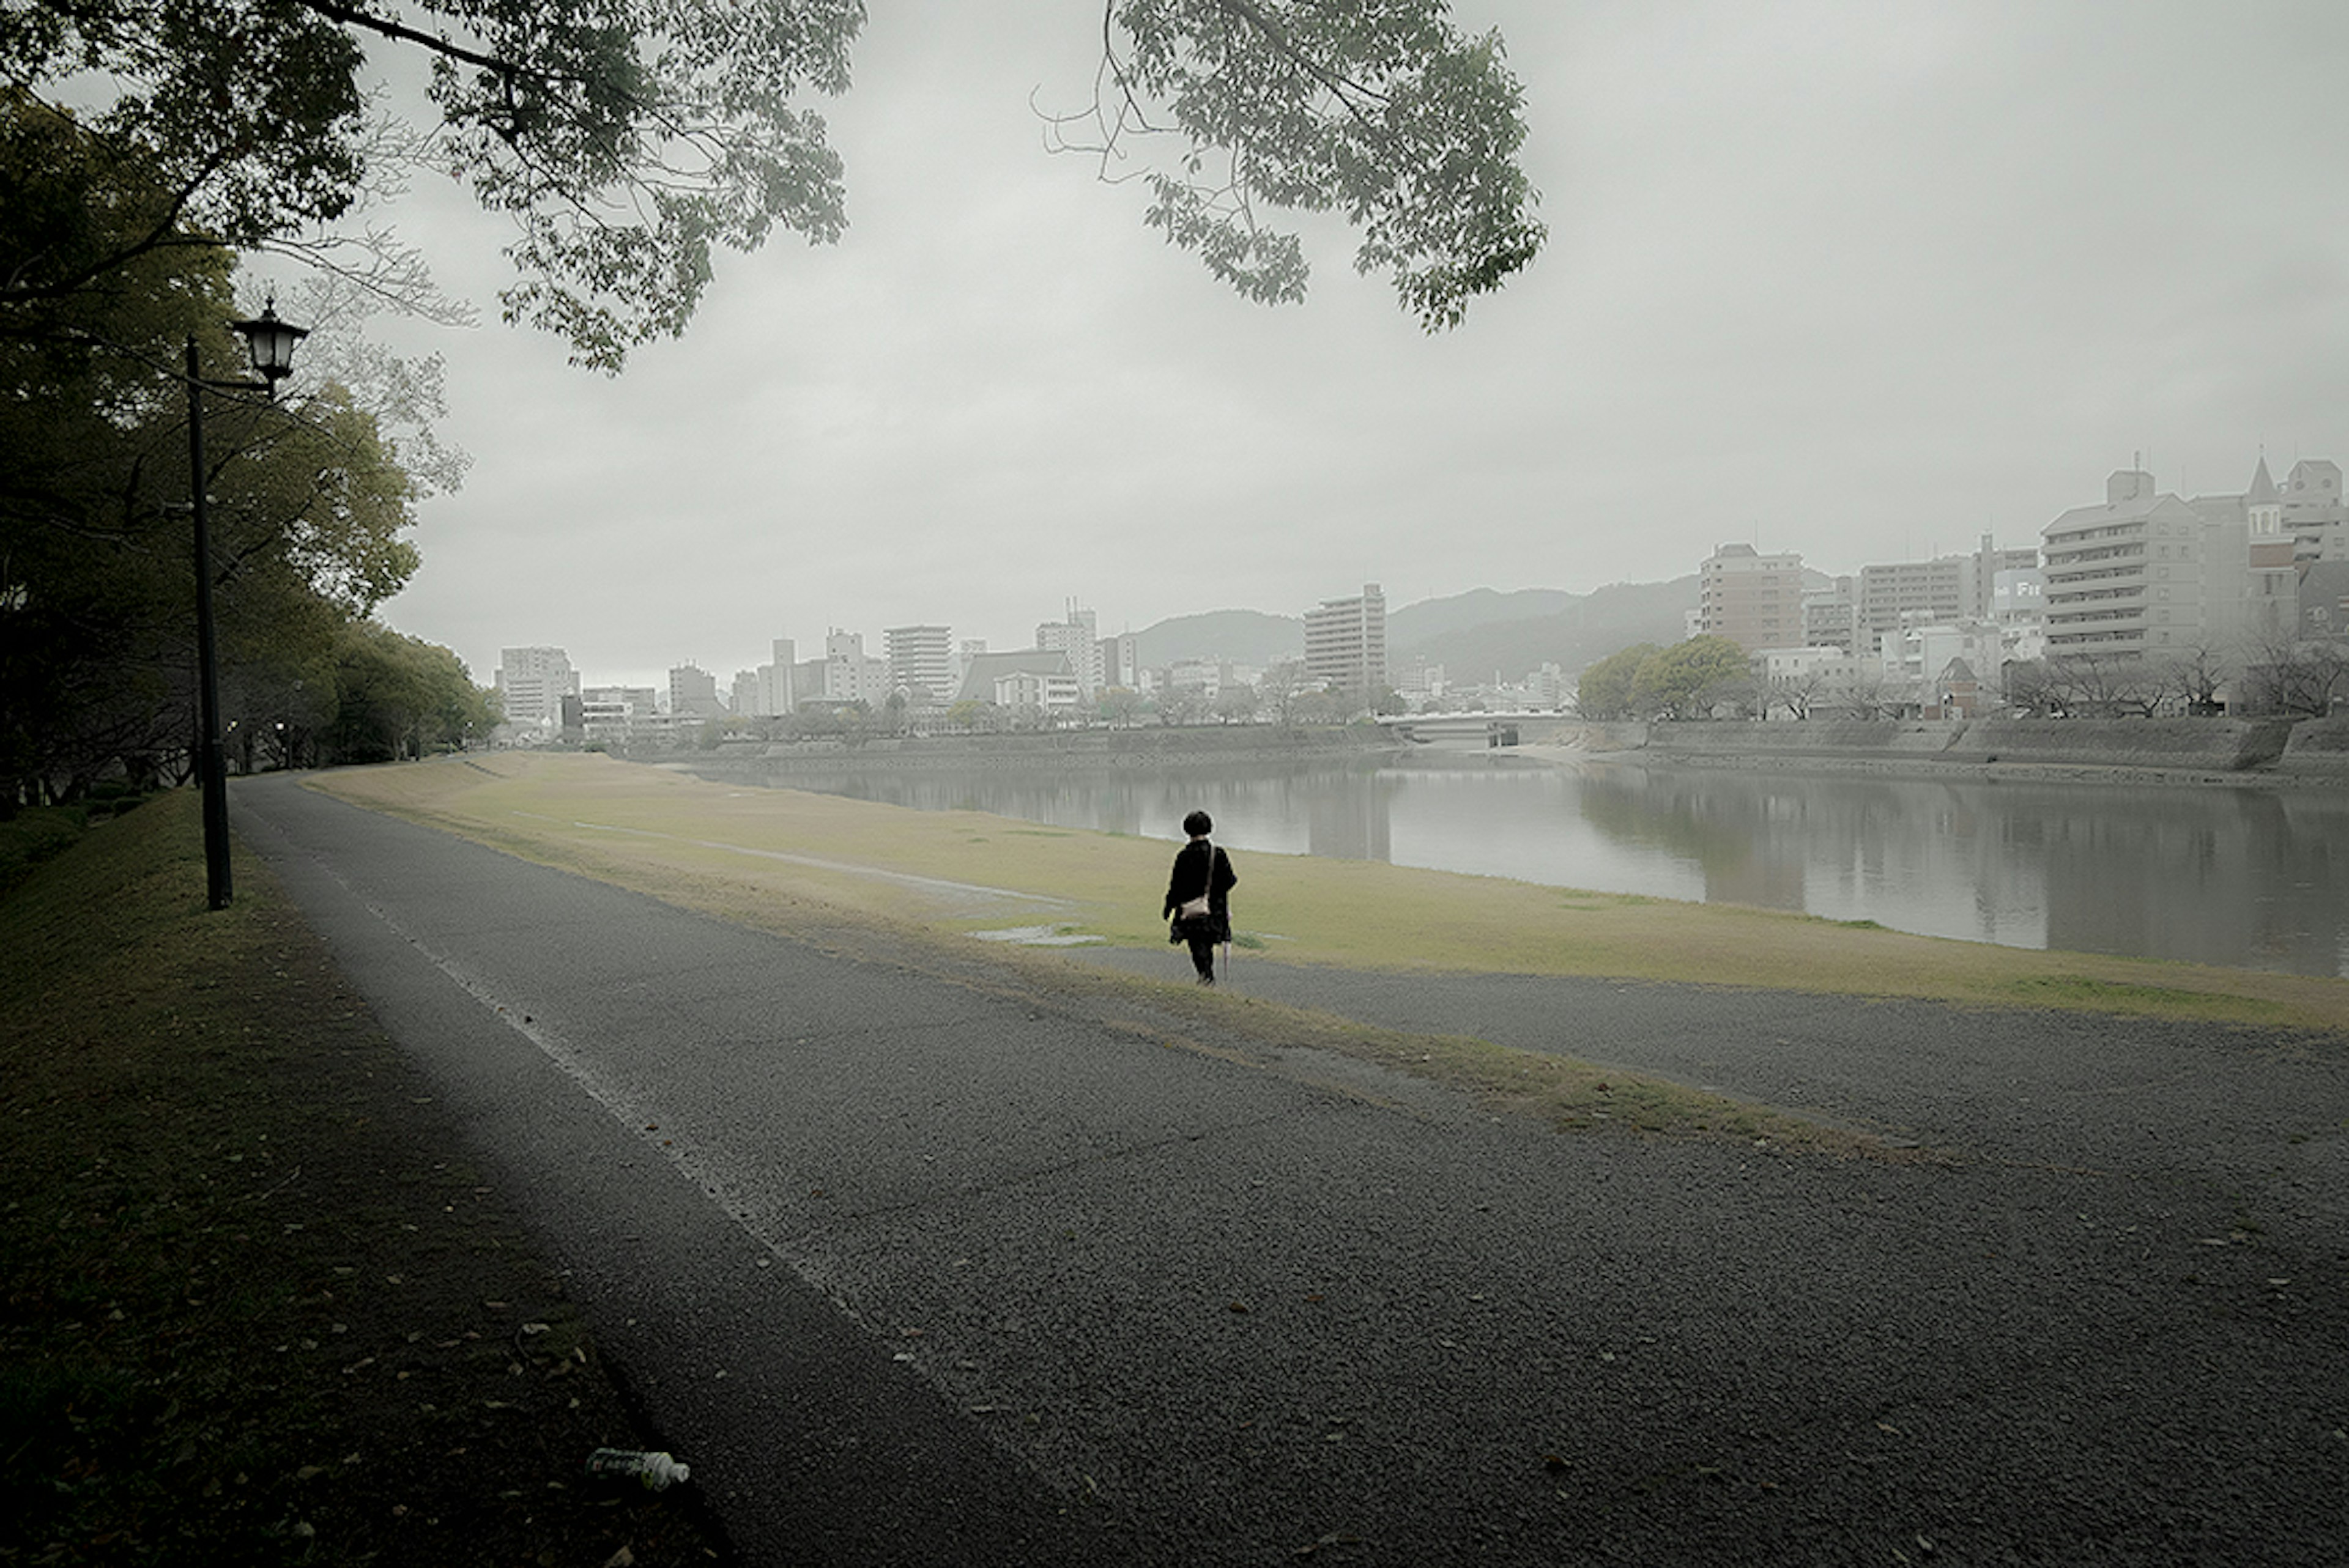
(1609, 688)
(398, 695)
(629, 143)
(1384, 113)
(625, 142)
(1685, 680)
(307, 502)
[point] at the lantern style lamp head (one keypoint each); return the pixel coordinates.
(271, 344)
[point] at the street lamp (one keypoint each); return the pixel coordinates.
(270, 343)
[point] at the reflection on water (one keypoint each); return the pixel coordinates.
(2248, 877)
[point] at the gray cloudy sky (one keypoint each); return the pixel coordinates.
(1859, 279)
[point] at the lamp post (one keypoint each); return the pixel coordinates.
(270, 343)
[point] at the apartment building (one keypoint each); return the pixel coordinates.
(1831, 614)
(2147, 571)
(1077, 636)
(2153, 573)
(611, 713)
(693, 693)
(921, 661)
(1754, 600)
(1121, 657)
(532, 682)
(1346, 645)
(776, 690)
(1947, 589)
(850, 674)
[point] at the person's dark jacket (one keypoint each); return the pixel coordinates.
(1201, 867)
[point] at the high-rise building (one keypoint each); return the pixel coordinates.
(533, 683)
(1346, 645)
(921, 660)
(1754, 600)
(1948, 588)
(2136, 573)
(1831, 615)
(775, 693)
(1120, 662)
(2316, 513)
(693, 693)
(1076, 637)
(850, 674)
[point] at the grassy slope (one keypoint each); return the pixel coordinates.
(253, 1306)
(717, 848)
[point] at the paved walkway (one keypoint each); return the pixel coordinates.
(919, 1271)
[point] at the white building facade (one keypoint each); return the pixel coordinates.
(1346, 645)
(921, 662)
(531, 683)
(1076, 637)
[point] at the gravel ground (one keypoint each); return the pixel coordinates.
(916, 1270)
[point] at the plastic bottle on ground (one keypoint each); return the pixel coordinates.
(656, 1471)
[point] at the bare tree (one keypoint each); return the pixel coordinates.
(2194, 680)
(1235, 704)
(1864, 695)
(2302, 680)
(2100, 686)
(1797, 693)
(2030, 690)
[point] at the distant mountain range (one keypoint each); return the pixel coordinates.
(1243, 636)
(1474, 635)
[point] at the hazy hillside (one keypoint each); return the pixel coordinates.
(1471, 635)
(1416, 624)
(1243, 636)
(1587, 629)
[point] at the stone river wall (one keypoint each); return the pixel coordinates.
(2307, 751)
(1077, 750)
(2185, 750)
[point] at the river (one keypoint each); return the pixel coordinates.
(2247, 878)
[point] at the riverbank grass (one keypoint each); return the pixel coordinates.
(781, 857)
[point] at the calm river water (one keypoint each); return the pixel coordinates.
(2253, 879)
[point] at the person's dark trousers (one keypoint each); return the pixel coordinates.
(1202, 957)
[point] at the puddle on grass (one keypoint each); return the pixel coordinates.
(1039, 936)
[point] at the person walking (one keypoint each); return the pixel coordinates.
(1198, 896)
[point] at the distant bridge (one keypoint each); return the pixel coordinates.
(1494, 729)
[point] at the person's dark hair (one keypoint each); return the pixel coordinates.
(1198, 824)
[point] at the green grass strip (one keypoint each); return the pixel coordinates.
(728, 848)
(254, 1307)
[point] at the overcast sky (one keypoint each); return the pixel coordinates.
(1856, 278)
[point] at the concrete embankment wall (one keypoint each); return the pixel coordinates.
(2311, 748)
(2319, 748)
(2214, 744)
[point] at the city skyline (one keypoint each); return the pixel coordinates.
(1862, 282)
(1303, 616)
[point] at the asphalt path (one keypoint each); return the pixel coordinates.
(916, 1267)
